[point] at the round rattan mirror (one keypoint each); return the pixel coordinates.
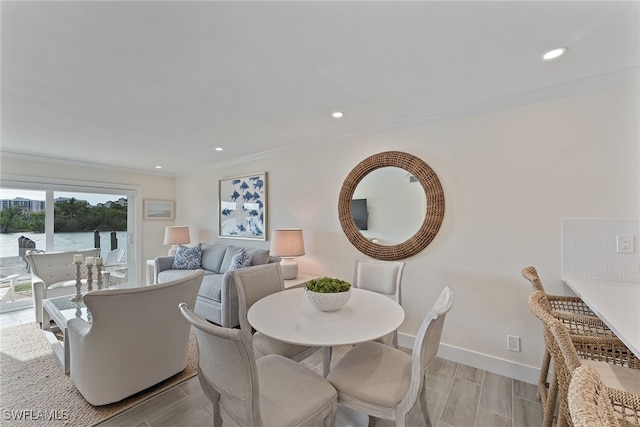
(434, 211)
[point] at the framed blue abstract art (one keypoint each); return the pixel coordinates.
(242, 207)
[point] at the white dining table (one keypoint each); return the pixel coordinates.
(288, 316)
(616, 303)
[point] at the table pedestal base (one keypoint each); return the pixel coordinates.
(349, 418)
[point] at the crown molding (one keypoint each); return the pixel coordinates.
(549, 93)
(574, 87)
(80, 164)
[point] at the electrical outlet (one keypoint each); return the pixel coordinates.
(513, 343)
(624, 244)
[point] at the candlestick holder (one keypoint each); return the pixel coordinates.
(99, 275)
(89, 278)
(78, 296)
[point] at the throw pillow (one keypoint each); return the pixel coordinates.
(188, 258)
(241, 259)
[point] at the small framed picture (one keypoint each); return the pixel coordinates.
(163, 210)
(242, 209)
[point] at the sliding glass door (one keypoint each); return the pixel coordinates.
(63, 217)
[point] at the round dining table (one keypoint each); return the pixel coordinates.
(288, 316)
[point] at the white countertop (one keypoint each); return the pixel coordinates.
(616, 303)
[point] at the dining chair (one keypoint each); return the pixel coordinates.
(619, 367)
(589, 402)
(254, 283)
(272, 391)
(384, 382)
(574, 313)
(384, 277)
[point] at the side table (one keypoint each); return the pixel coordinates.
(299, 281)
(150, 272)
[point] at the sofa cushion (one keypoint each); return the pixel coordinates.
(240, 260)
(188, 258)
(212, 256)
(226, 262)
(258, 256)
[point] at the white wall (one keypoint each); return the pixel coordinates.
(509, 177)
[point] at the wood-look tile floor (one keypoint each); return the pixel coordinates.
(457, 396)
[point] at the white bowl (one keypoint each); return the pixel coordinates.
(328, 301)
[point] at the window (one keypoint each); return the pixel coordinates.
(65, 216)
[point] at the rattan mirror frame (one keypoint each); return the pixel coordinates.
(432, 220)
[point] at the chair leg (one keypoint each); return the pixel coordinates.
(543, 383)
(330, 420)
(423, 406)
(549, 404)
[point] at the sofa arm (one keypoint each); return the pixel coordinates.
(78, 327)
(160, 264)
(229, 302)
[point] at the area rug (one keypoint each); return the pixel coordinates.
(35, 391)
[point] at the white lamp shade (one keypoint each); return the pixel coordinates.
(287, 242)
(176, 235)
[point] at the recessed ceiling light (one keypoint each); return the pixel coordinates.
(218, 148)
(338, 115)
(554, 53)
(158, 167)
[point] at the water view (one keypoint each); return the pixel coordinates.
(61, 241)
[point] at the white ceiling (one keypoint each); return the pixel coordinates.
(140, 84)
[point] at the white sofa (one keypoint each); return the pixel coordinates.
(53, 274)
(136, 339)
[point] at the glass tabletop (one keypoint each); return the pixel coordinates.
(69, 309)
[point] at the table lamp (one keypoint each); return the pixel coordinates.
(287, 243)
(176, 235)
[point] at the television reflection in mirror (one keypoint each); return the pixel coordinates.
(359, 213)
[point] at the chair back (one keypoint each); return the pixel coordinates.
(254, 283)
(427, 342)
(531, 274)
(53, 267)
(227, 369)
(589, 401)
(384, 277)
(136, 338)
(115, 256)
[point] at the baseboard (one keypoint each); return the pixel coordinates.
(496, 365)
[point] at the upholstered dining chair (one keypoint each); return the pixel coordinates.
(254, 283)
(574, 313)
(384, 382)
(272, 391)
(589, 401)
(619, 367)
(384, 277)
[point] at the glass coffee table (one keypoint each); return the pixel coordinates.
(60, 310)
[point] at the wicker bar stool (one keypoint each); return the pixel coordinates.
(589, 401)
(576, 316)
(618, 366)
